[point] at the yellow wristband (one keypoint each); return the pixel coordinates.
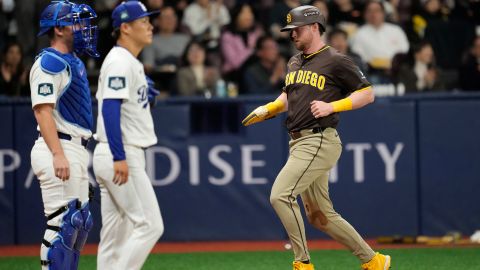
(342, 105)
(275, 107)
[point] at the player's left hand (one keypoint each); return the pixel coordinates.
(120, 172)
(152, 92)
(320, 108)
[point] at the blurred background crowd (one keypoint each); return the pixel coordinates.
(227, 48)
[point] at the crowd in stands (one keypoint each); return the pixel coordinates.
(230, 47)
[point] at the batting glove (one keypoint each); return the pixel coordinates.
(264, 112)
(152, 92)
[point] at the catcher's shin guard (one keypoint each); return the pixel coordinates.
(59, 252)
(82, 234)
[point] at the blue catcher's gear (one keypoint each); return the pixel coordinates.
(82, 234)
(80, 16)
(52, 64)
(60, 249)
(74, 102)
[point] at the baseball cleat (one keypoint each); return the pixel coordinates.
(302, 266)
(378, 262)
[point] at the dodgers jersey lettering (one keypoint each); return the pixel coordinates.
(325, 75)
(61, 80)
(122, 77)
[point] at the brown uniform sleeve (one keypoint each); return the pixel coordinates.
(350, 77)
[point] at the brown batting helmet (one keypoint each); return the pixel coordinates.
(304, 15)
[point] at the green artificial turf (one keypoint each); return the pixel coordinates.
(403, 259)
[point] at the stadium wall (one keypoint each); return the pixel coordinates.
(410, 165)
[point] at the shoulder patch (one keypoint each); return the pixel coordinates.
(45, 89)
(52, 64)
(116, 83)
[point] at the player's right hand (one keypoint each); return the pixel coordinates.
(264, 112)
(61, 166)
(120, 172)
(258, 115)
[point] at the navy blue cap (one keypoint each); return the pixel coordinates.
(129, 11)
(58, 13)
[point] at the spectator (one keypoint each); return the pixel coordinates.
(238, 41)
(430, 11)
(419, 73)
(195, 77)
(470, 69)
(204, 19)
(391, 11)
(13, 79)
(266, 74)
(105, 41)
(323, 7)
(338, 39)
(278, 14)
(377, 42)
(450, 30)
(178, 5)
(155, 4)
(6, 8)
(402, 11)
(277, 17)
(345, 11)
(168, 45)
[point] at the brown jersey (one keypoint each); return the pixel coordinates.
(325, 75)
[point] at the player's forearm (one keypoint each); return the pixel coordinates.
(267, 111)
(362, 97)
(356, 100)
(111, 119)
(283, 98)
(48, 128)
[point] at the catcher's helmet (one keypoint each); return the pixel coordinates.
(80, 16)
(304, 15)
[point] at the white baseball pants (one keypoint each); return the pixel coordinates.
(55, 192)
(131, 219)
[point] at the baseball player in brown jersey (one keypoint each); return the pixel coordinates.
(319, 84)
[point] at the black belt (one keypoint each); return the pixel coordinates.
(294, 135)
(67, 137)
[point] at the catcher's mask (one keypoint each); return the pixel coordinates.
(79, 16)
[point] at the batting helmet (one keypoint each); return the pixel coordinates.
(80, 16)
(304, 15)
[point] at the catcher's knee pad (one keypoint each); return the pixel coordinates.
(82, 234)
(60, 246)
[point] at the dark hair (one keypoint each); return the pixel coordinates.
(116, 34)
(261, 40)
(409, 57)
(335, 32)
(321, 29)
(12, 44)
(9, 45)
(51, 33)
(416, 47)
(184, 60)
(370, 2)
(234, 15)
